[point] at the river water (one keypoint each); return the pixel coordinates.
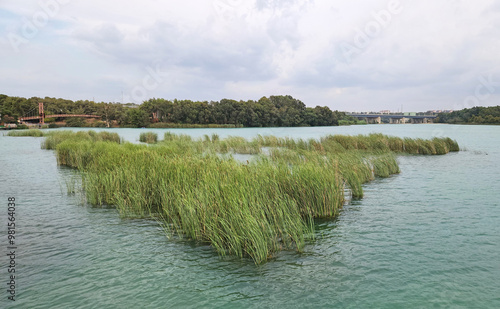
(426, 238)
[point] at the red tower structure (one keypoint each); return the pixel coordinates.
(41, 113)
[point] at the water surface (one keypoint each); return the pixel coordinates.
(426, 238)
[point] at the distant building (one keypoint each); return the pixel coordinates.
(440, 111)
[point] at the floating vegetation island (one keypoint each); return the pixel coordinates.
(148, 137)
(254, 207)
(31, 132)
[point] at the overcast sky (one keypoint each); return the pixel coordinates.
(357, 55)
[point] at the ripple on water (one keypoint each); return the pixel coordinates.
(425, 238)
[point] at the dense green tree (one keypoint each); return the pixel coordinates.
(475, 115)
(290, 111)
(16, 107)
(137, 118)
(282, 110)
(75, 122)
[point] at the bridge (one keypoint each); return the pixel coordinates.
(41, 115)
(377, 118)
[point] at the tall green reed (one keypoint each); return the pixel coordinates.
(254, 209)
(148, 137)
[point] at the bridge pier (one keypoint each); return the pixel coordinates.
(401, 120)
(395, 118)
(421, 120)
(372, 120)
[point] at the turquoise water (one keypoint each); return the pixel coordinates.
(426, 238)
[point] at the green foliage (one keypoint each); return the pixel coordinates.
(55, 138)
(249, 209)
(282, 110)
(12, 108)
(75, 122)
(475, 115)
(137, 118)
(148, 137)
(31, 132)
(99, 124)
(266, 112)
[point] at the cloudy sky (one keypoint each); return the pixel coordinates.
(356, 55)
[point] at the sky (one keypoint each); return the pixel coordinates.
(357, 55)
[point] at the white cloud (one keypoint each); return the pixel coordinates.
(427, 55)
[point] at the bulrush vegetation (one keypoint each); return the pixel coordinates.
(30, 132)
(255, 208)
(148, 137)
(56, 137)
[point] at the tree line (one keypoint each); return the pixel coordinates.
(273, 111)
(475, 115)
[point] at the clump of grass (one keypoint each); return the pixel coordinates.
(148, 137)
(215, 138)
(452, 145)
(254, 209)
(240, 145)
(385, 165)
(169, 136)
(355, 170)
(30, 132)
(383, 143)
(55, 138)
(106, 137)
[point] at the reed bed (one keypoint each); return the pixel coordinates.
(252, 209)
(30, 132)
(55, 138)
(148, 137)
(169, 136)
(371, 142)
